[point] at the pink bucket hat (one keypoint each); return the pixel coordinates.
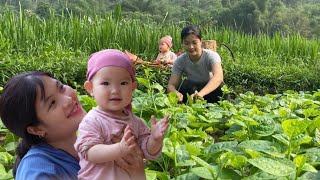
(109, 57)
(167, 40)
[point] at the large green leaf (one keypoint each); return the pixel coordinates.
(313, 156)
(202, 172)
(151, 174)
(266, 126)
(311, 112)
(261, 146)
(309, 168)
(300, 160)
(282, 138)
(221, 146)
(194, 147)
(310, 176)
(5, 158)
(187, 176)
(314, 124)
(143, 82)
(3, 171)
(168, 148)
(294, 127)
(225, 173)
(183, 157)
(230, 159)
(11, 146)
(277, 167)
(204, 164)
(301, 139)
(263, 175)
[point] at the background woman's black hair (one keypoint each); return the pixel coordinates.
(191, 29)
(17, 109)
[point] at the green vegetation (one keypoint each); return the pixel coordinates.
(249, 16)
(61, 45)
(251, 135)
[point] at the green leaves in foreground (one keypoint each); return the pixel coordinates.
(277, 167)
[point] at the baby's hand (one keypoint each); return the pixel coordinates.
(158, 129)
(128, 142)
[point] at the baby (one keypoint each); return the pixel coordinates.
(111, 81)
(166, 56)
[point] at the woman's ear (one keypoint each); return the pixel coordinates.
(88, 87)
(35, 130)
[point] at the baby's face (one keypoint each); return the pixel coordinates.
(163, 47)
(112, 88)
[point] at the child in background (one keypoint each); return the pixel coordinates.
(166, 56)
(111, 81)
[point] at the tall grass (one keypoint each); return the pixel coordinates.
(27, 31)
(277, 63)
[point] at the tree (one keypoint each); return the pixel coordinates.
(43, 9)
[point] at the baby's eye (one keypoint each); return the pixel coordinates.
(124, 83)
(105, 83)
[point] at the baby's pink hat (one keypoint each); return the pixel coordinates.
(167, 40)
(109, 57)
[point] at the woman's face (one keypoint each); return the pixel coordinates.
(192, 45)
(59, 111)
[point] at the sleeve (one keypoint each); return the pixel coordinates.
(158, 58)
(213, 57)
(177, 67)
(39, 167)
(173, 56)
(89, 134)
(143, 137)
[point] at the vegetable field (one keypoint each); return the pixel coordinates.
(266, 127)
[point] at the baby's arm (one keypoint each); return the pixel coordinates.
(158, 130)
(158, 61)
(173, 57)
(101, 153)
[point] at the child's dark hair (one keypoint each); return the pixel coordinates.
(191, 29)
(17, 109)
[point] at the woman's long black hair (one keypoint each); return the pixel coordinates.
(17, 109)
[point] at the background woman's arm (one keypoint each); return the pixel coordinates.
(214, 82)
(173, 83)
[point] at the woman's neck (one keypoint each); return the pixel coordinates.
(66, 145)
(195, 58)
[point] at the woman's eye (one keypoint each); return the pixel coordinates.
(52, 104)
(62, 87)
(124, 83)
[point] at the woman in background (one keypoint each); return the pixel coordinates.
(202, 68)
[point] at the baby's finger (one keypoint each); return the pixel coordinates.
(165, 119)
(127, 128)
(153, 120)
(165, 127)
(127, 135)
(131, 143)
